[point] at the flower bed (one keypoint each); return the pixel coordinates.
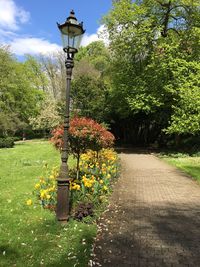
(97, 171)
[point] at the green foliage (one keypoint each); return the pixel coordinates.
(186, 110)
(145, 83)
(89, 97)
(6, 142)
(19, 95)
(90, 86)
(35, 73)
(97, 54)
(155, 64)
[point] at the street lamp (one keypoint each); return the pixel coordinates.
(71, 32)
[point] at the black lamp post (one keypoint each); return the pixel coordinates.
(72, 33)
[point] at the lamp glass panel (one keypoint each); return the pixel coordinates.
(71, 41)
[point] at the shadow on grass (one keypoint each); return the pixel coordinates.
(8, 251)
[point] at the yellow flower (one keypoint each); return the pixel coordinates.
(29, 202)
(37, 186)
(48, 196)
(105, 188)
(108, 176)
(77, 187)
(52, 188)
(88, 183)
(42, 194)
(42, 181)
(101, 181)
(51, 177)
(74, 186)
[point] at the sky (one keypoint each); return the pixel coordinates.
(29, 26)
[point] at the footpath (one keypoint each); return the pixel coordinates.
(153, 219)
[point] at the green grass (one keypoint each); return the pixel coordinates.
(30, 235)
(188, 164)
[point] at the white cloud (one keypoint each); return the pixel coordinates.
(101, 34)
(11, 16)
(33, 46)
(87, 39)
(11, 19)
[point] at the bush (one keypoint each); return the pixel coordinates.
(84, 134)
(6, 142)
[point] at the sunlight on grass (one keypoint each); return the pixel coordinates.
(30, 235)
(188, 164)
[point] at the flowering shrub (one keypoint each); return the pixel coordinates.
(96, 175)
(84, 133)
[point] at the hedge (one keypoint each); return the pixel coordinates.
(6, 142)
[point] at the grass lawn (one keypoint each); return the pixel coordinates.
(30, 235)
(188, 164)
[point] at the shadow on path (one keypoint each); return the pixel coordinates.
(153, 218)
(164, 236)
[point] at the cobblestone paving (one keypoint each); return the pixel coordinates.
(153, 219)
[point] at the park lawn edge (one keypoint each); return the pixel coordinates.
(185, 163)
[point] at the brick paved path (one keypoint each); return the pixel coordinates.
(153, 218)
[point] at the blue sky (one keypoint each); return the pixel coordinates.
(29, 26)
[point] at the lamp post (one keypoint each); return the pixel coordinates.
(71, 32)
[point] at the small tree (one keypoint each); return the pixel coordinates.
(84, 134)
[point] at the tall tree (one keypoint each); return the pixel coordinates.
(155, 48)
(90, 85)
(18, 94)
(53, 66)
